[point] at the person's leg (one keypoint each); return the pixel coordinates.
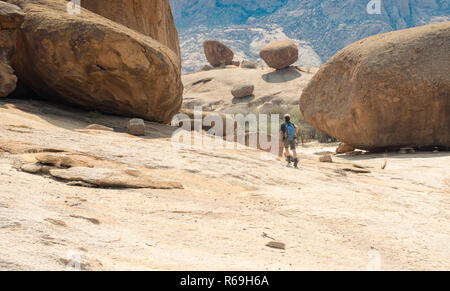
(294, 153)
(287, 154)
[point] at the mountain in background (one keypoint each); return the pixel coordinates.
(320, 28)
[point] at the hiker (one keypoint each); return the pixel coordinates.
(288, 139)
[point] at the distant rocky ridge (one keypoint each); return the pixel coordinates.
(319, 28)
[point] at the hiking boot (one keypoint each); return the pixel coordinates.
(296, 162)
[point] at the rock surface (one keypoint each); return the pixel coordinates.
(212, 89)
(99, 127)
(279, 54)
(152, 18)
(230, 197)
(91, 61)
(240, 91)
(387, 91)
(217, 53)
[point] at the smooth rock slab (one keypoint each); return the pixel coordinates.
(114, 178)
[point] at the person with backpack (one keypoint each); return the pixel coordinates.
(288, 139)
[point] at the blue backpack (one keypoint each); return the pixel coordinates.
(290, 130)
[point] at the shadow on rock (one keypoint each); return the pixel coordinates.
(282, 76)
(247, 99)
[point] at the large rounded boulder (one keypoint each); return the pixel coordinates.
(217, 53)
(153, 18)
(279, 54)
(386, 91)
(88, 60)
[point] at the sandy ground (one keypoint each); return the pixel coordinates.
(233, 203)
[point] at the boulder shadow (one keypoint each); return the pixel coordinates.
(395, 155)
(241, 100)
(282, 76)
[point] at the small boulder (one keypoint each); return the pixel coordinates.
(136, 127)
(344, 148)
(248, 65)
(206, 68)
(280, 54)
(326, 159)
(240, 91)
(236, 63)
(217, 53)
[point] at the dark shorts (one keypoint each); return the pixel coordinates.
(290, 144)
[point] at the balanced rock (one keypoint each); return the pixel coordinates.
(217, 53)
(248, 65)
(136, 127)
(240, 91)
(280, 54)
(94, 62)
(386, 91)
